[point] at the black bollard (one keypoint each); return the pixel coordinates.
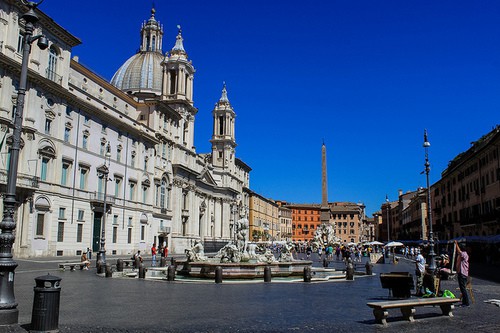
(218, 274)
(267, 274)
(349, 271)
(325, 263)
(369, 268)
(171, 273)
(307, 274)
(109, 272)
(119, 265)
(142, 271)
(172, 261)
(45, 314)
(100, 267)
(163, 262)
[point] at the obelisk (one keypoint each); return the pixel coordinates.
(325, 209)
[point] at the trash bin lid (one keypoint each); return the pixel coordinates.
(48, 278)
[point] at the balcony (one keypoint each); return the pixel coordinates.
(97, 201)
(24, 181)
(51, 75)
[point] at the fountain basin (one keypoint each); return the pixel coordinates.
(242, 270)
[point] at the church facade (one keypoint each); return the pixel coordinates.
(117, 154)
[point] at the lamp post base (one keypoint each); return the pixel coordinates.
(9, 312)
(9, 317)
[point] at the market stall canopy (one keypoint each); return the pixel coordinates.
(394, 244)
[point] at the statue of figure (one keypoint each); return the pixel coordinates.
(324, 235)
(196, 253)
(267, 257)
(229, 253)
(286, 254)
(241, 234)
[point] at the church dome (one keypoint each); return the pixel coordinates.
(142, 73)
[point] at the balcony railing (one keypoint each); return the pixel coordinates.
(99, 197)
(51, 75)
(23, 180)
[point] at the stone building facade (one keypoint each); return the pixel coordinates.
(139, 127)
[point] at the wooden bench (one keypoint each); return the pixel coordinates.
(71, 265)
(407, 307)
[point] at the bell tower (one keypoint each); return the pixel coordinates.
(223, 141)
(178, 73)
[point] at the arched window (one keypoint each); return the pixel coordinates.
(52, 68)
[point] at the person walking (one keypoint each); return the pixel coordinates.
(419, 272)
(463, 272)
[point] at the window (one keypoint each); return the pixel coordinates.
(144, 194)
(86, 120)
(132, 159)
(129, 221)
(118, 186)
(81, 213)
(115, 219)
(60, 232)
(40, 221)
(104, 128)
(142, 232)
(79, 232)
(67, 133)
(68, 110)
(118, 153)
(83, 178)
(115, 234)
(62, 213)
(85, 141)
(52, 68)
(163, 189)
(43, 171)
(145, 164)
(48, 123)
(102, 151)
(20, 42)
(64, 173)
(131, 191)
(129, 236)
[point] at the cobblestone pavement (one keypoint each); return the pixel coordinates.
(90, 303)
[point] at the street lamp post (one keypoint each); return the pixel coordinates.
(432, 254)
(8, 306)
(103, 174)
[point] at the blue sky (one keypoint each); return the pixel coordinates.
(365, 76)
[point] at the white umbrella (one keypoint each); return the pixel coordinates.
(375, 243)
(394, 244)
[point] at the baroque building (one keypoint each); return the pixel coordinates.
(139, 127)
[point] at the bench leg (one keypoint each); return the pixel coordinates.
(72, 267)
(408, 312)
(447, 309)
(380, 316)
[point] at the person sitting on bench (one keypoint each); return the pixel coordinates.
(84, 261)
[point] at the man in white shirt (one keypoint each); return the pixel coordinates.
(419, 272)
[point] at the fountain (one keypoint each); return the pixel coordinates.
(240, 259)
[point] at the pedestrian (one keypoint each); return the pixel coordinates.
(419, 272)
(462, 271)
(153, 255)
(89, 254)
(165, 252)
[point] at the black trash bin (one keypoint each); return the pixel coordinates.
(45, 314)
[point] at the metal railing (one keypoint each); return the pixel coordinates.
(51, 75)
